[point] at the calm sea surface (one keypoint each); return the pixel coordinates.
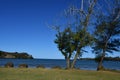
(48, 63)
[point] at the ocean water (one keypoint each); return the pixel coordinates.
(48, 63)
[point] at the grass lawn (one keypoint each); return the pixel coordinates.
(55, 74)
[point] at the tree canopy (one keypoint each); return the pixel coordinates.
(76, 35)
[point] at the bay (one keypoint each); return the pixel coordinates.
(49, 63)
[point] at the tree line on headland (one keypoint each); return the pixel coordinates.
(15, 55)
(106, 59)
(24, 55)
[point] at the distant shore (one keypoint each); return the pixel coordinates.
(106, 59)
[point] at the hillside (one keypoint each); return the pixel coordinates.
(17, 55)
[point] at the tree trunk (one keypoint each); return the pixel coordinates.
(74, 61)
(100, 66)
(68, 63)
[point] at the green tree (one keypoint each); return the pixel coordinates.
(64, 41)
(106, 35)
(81, 39)
(82, 36)
(71, 42)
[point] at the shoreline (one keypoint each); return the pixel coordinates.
(49, 63)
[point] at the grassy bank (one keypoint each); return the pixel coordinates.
(53, 74)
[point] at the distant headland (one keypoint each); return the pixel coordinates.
(15, 55)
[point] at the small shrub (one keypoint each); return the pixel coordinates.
(23, 66)
(9, 65)
(40, 66)
(56, 67)
(100, 68)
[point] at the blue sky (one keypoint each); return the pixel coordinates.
(23, 26)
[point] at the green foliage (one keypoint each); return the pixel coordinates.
(106, 35)
(97, 58)
(64, 42)
(71, 42)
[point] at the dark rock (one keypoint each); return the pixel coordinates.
(9, 65)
